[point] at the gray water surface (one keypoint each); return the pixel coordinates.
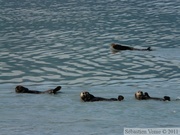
(48, 43)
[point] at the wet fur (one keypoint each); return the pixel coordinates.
(117, 47)
(145, 96)
(22, 89)
(87, 97)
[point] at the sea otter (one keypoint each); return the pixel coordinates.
(22, 89)
(145, 96)
(117, 47)
(87, 97)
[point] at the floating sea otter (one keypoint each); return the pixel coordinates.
(22, 89)
(145, 96)
(87, 97)
(117, 47)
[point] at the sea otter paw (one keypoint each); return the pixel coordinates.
(167, 98)
(54, 91)
(120, 98)
(149, 49)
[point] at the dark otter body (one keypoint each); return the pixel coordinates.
(118, 47)
(145, 96)
(87, 97)
(22, 89)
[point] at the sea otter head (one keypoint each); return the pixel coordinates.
(86, 96)
(142, 96)
(112, 45)
(139, 95)
(21, 89)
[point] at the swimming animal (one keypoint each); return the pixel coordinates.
(87, 97)
(117, 47)
(22, 89)
(145, 96)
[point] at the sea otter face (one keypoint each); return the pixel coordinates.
(139, 95)
(86, 96)
(21, 89)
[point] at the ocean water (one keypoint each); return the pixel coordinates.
(46, 43)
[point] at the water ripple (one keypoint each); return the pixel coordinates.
(69, 42)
